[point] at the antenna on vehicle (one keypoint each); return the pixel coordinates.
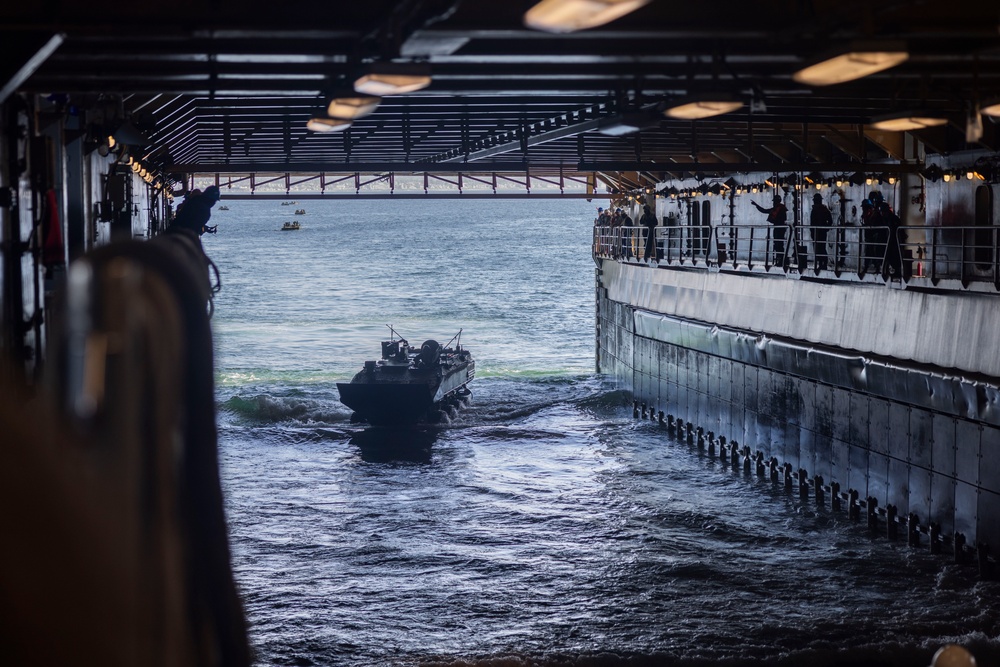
(458, 336)
(395, 334)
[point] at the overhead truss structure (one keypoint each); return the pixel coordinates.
(377, 184)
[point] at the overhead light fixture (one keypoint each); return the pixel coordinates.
(703, 106)
(617, 129)
(907, 121)
(352, 107)
(629, 122)
(383, 79)
(573, 15)
(317, 124)
(856, 62)
(128, 133)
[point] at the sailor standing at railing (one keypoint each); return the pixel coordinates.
(777, 215)
(625, 221)
(893, 255)
(648, 220)
(820, 222)
(874, 232)
(601, 229)
(617, 239)
(196, 210)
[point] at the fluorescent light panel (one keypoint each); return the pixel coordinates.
(706, 108)
(327, 124)
(352, 108)
(572, 15)
(390, 84)
(618, 129)
(629, 122)
(859, 62)
(907, 122)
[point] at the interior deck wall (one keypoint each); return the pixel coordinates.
(937, 464)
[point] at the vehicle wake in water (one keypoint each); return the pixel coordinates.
(561, 528)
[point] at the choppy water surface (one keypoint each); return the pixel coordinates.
(545, 526)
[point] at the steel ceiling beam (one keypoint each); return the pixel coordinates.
(239, 85)
(25, 53)
(358, 167)
(749, 167)
(531, 141)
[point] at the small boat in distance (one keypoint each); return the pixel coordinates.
(409, 386)
(223, 208)
(289, 226)
(300, 211)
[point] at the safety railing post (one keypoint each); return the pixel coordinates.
(933, 259)
(720, 251)
(863, 249)
(883, 250)
(734, 245)
(885, 233)
(996, 259)
(768, 249)
(707, 232)
(962, 258)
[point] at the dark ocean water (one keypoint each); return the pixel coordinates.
(545, 526)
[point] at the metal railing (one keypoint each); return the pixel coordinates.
(965, 255)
